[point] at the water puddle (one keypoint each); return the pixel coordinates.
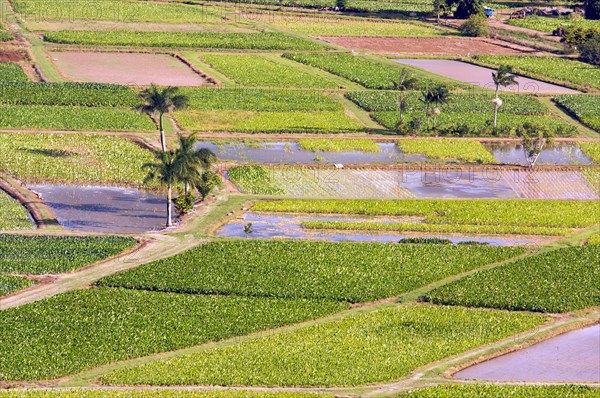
(558, 154)
(480, 76)
(573, 357)
(104, 209)
(267, 226)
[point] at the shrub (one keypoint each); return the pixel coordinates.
(185, 203)
(475, 26)
(589, 51)
(592, 9)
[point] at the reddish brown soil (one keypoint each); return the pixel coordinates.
(423, 45)
(10, 55)
(136, 69)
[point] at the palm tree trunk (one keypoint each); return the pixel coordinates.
(186, 188)
(495, 116)
(169, 207)
(162, 134)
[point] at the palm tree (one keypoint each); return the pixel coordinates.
(406, 81)
(191, 163)
(163, 172)
(441, 96)
(502, 78)
(427, 98)
(159, 101)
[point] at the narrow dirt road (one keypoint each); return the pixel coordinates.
(156, 247)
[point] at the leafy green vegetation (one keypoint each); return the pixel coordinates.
(72, 118)
(594, 240)
(156, 393)
(554, 68)
(496, 391)
(549, 24)
(339, 145)
(253, 179)
(259, 100)
(73, 158)
(558, 281)
(326, 26)
(438, 228)
(116, 11)
(591, 150)
(10, 284)
(583, 107)
(268, 122)
(10, 72)
(370, 74)
(56, 254)
(354, 272)
(267, 70)
(372, 347)
(74, 331)
(12, 214)
(68, 94)
(469, 151)
(196, 40)
(532, 213)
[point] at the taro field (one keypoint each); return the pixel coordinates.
(256, 199)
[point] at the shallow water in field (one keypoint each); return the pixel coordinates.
(573, 357)
(290, 153)
(104, 209)
(481, 76)
(558, 154)
(266, 226)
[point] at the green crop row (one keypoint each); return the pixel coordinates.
(549, 24)
(584, 107)
(72, 118)
(328, 26)
(378, 101)
(373, 347)
(555, 68)
(12, 215)
(532, 213)
(56, 254)
(268, 122)
(156, 393)
(267, 71)
(354, 272)
(197, 40)
(116, 11)
(370, 74)
(436, 228)
(259, 100)
(67, 94)
(594, 240)
(10, 284)
(73, 158)
(496, 391)
(591, 150)
(421, 7)
(253, 179)
(74, 331)
(339, 145)
(10, 72)
(468, 124)
(468, 151)
(558, 281)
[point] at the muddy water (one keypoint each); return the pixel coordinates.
(559, 154)
(290, 153)
(267, 226)
(480, 76)
(104, 209)
(570, 358)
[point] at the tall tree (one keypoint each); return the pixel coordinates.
(163, 172)
(592, 9)
(158, 102)
(503, 77)
(427, 98)
(533, 139)
(441, 96)
(406, 81)
(190, 162)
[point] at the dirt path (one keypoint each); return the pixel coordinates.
(40, 212)
(154, 247)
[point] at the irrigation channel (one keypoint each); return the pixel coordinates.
(290, 226)
(481, 76)
(569, 358)
(104, 209)
(291, 153)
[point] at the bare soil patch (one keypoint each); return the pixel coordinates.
(10, 55)
(455, 46)
(134, 69)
